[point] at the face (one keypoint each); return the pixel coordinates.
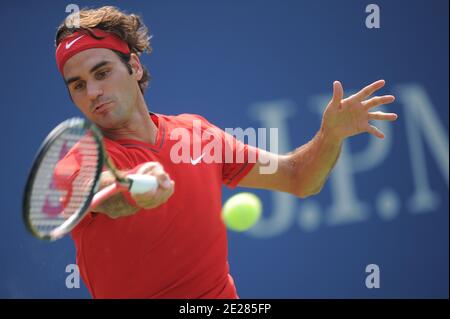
(101, 86)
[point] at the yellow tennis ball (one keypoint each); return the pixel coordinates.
(241, 211)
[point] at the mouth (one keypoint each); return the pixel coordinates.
(101, 107)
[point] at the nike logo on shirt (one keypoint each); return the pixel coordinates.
(197, 160)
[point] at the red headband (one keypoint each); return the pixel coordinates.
(80, 41)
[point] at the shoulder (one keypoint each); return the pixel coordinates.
(186, 120)
(182, 117)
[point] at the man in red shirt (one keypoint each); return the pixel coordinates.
(171, 243)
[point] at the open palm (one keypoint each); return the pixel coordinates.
(343, 118)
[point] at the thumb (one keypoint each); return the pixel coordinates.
(338, 93)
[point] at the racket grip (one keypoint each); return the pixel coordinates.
(142, 183)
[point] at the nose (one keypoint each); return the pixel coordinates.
(93, 90)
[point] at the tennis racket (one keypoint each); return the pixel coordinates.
(62, 186)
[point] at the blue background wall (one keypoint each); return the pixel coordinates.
(265, 63)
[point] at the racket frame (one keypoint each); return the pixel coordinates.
(74, 219)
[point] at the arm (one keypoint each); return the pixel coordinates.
(304, 171)
(119, 206)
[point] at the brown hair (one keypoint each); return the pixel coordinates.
(129, 27)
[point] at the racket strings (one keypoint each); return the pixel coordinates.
(64, 180)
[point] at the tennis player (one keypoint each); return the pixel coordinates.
(171, 243)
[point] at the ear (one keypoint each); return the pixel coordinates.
(136, 66)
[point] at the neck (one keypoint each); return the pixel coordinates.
(139, 126)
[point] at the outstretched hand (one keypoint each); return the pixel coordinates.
(343, 118)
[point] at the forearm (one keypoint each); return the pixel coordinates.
(117, 205)
(313, 162)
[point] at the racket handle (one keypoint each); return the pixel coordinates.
(142, 183)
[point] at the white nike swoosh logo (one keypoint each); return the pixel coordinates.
(69, 44)
(197, 160)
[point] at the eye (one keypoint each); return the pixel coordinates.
(102, 74)
(78, 86)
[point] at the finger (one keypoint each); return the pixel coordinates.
(162, 177)
(338, 93)
(163, 194)
(369, 90)
(164, 184)
(155, 169)
(168, 193)
(148, 167)
(151, 200)
(383, 116)
(375, 131)
(378, 100)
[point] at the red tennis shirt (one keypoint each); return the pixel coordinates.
(179, 249)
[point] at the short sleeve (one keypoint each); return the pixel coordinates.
(238, 158)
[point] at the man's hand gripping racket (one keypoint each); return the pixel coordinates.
(63, 183)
